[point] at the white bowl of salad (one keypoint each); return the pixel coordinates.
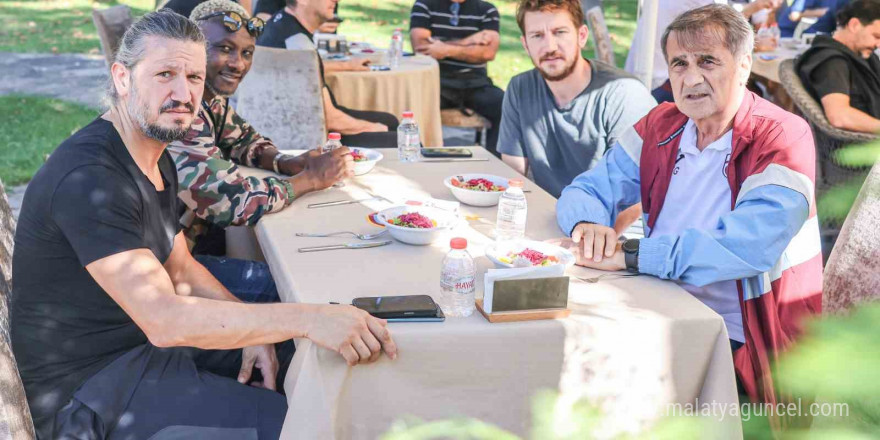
(477, 189)
(416, 225)
(528, 253)
(364, 159)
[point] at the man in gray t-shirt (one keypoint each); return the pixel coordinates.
(559, 118)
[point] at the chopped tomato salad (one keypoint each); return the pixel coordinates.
(479, 184)
(413, 220)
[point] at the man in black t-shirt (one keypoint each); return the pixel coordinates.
(118, 331)
(462, 35)
(300, 19)
(842, 71)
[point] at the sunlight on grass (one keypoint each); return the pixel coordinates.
(33, 127)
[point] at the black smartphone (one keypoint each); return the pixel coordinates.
(447, 152)
(405, 306)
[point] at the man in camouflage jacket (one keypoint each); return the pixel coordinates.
(213, 188)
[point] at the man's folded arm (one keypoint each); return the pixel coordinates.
(600, 194)
(747, 242)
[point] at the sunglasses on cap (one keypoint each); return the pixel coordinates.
(232, 21)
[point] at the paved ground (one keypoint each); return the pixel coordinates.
(71, 77)
(81, 78)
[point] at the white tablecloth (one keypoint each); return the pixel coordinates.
(631, 346)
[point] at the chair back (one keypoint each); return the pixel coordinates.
(111, 24)
(282, 97)
(852, 273)
(15, 415)
(601, 38)
(827, 137)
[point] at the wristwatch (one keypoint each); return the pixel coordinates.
(275, 160)
(631, 255)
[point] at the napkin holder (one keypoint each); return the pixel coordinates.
(527, 299)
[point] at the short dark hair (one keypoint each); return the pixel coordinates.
(866, 11)
(291, 3)
(573, 7)
(725, 23)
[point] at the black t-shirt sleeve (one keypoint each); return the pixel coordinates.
(420, 16)
(492, 20)
(269, 6)
(832, 76)
(99, 213)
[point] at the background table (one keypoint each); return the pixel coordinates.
(631, 346)
(769, 69)
(415, 86)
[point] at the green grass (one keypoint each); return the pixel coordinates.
(64, 26)
(31, 128)
(60, 26)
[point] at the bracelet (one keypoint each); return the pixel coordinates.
(275, 162)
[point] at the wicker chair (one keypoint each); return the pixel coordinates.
(828, 139)
(15, 417)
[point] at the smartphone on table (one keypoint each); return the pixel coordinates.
(447, 152)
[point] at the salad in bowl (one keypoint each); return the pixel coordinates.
(364, 159)
(528, 253)
(477, 189)
(417, 225)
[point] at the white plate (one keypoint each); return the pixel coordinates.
(477, 198)
(497, 250)
(364, 167)
(417, 236)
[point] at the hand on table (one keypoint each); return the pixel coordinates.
(262, 357)
(326, 169)
(351, 332)
(596, 246)
(357, 64)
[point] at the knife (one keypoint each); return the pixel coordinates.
(371, 244)
(454, 160)
(345, 202)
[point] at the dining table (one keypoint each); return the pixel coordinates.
(413, 86)
(632, 348)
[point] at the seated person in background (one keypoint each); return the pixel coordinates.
(758, 264)
(561, 117)
(185, 7)
(358, 127)
(118, 332)
(462, 35)
(267, 8)
(212, 187)
(842, 71)
(788, 16)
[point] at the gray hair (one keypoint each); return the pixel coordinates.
(721, 22)
(163, 23)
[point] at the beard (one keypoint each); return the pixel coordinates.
(215, 91)
(153, 130)
(567, 69)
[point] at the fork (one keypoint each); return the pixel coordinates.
(607, 276)
(359, 236)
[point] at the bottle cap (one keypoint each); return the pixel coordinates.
(408, 114)
(458, 243)
(516, 183)
(334, 136)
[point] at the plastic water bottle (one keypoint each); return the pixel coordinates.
(408, 143)
(512, 210)
(457, 280)
(334, 141)
(396, 49)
